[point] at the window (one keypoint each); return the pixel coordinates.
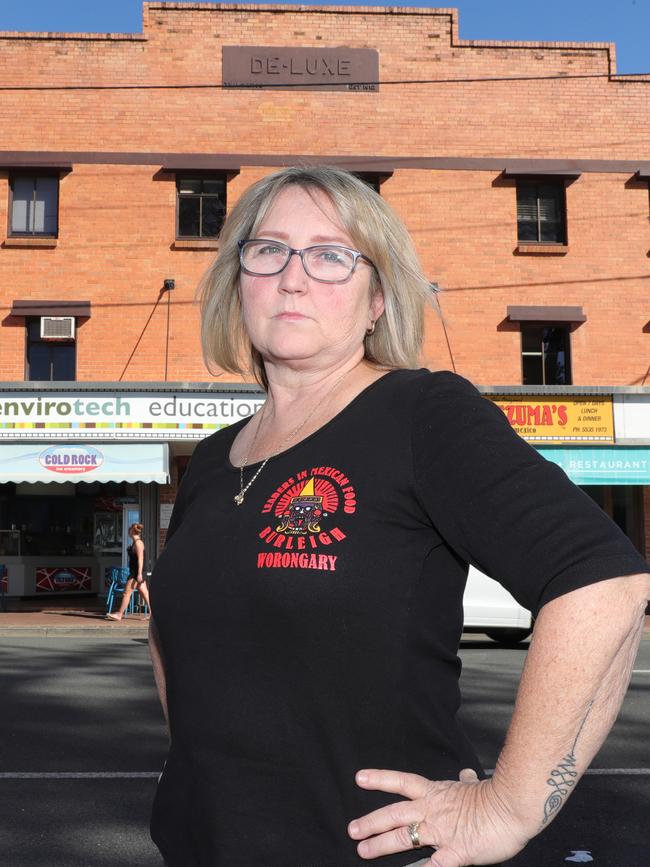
(541, 212)
(201, 206)
(372, 179)
(34, 205)
(48, 360)
(545, 355)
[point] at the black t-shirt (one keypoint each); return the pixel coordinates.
(313, 630)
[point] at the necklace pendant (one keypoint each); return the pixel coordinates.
(239, 498)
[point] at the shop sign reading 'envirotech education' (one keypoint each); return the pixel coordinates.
(29, 415)
(285, 68)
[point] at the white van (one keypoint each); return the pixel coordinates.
(490, 609)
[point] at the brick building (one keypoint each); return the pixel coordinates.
(521, 169)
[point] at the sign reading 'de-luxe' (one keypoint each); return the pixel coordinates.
(559, 418)
(71, 459)
(250, 66)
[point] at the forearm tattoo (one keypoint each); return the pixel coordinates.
(563, 778)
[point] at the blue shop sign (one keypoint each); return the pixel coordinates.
(618, 465)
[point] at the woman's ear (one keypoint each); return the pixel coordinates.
(377, 303)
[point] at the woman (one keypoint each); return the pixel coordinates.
(328, 538)
(135, 581)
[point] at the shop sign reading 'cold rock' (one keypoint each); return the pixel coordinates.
(351, 69)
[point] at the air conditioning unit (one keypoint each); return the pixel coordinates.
(57, 327)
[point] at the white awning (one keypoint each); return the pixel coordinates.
(69, 462)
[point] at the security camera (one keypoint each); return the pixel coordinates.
(169, 284)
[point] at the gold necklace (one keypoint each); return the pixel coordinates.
(239, 498)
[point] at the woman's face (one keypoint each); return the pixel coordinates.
(297, 321)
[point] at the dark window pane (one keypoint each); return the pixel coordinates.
(189, 223)
(34, 328)
(63, 361)
(22, 190)
(215, 186)
(373, 181)
(551, 206)
(527, 231)
(526, 201)
(35, 204)
(189, 185)
(48, 359)
(531, 339)
(550, 202)
(527, 216)
(552, 233)
(213, 216)
(38, 362)
(556, 360)
(532, 370)
(46, 205)
(540, 212)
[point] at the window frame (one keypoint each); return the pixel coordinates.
(561, 184)
(541, 327)
(29, 341)
(199, 175)
(34, 174)
(373, 179)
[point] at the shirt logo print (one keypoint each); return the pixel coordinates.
(303, 513)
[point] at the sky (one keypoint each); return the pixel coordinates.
(625, 22)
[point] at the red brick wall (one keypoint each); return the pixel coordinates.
(115, 245)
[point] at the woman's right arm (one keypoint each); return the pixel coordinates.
(158, 667)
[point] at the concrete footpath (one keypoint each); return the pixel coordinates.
(70, 622)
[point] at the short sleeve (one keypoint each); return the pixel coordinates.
(501, 506)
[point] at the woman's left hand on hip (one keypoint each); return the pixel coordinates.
(465, 821)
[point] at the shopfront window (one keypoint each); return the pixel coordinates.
(624, 505)
(73, 520)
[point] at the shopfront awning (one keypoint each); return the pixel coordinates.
(604, 465)
(71, 462)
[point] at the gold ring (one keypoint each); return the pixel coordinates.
(413, 834)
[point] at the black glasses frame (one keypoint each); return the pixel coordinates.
(241, 245)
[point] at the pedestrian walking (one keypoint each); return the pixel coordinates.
(136, 580)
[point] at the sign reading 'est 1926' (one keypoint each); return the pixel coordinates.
(351, 69)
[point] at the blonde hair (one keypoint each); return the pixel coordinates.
(376, 231)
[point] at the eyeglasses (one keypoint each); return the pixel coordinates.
(327, 263)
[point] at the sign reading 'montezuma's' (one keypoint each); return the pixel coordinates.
(71, 459)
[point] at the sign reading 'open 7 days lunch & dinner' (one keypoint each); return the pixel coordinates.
(559, 418)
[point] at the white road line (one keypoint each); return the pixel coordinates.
(152, 775)
(641, 671)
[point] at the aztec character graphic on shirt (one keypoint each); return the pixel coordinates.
(302, 520)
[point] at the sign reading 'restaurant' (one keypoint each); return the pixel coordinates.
(351, 69)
